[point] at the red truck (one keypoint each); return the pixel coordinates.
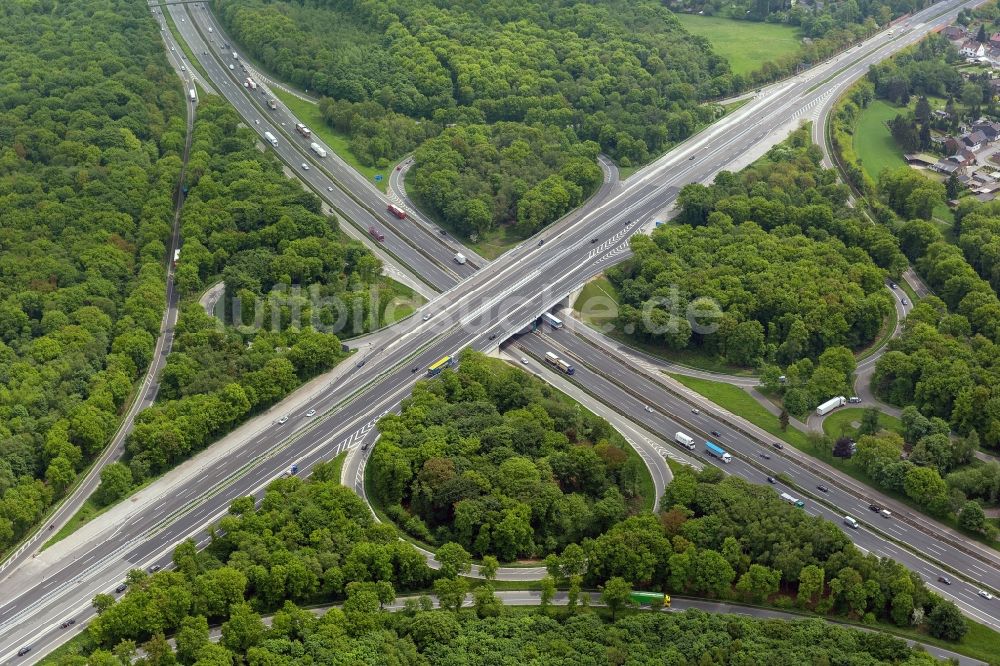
(303, 130)
(397, 211)
(376, 234)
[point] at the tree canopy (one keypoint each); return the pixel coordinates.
(501, 464)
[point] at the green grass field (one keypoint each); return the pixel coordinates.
(873, 144)
(840, 422)
(597, 302)
(309, 113)
(745, 44)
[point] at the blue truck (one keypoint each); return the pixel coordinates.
(717, 451)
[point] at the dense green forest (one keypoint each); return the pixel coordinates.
(314, 541)
(91, 133)
(776, 268)
(502, 464)
(365, 635)
(264, 234)
(616, 76)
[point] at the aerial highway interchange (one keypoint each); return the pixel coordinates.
(480, 305)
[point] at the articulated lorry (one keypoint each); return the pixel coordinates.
(270, 138)
(717, 451)
(687, 441)
(303, 130)
(559, 363)
(316, 148)
(831, 405)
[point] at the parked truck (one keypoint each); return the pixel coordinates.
(687, 441)
(559, 363)
(270, 139)
(303, 130)
(397, 211)
(316, 148)
(831, 405)
(376, 234)
(717, 451)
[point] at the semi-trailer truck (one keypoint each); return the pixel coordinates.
(794, 501)
(559, 363)
(250, 83)
(303, 130)
(648, 598)
(270, 138)
(831, 405)
(687, 441)
(718, 452)
(316, 148)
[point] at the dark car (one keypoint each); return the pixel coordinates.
(594, 239)
(121, 588)
(822, 488)
(944, 579)
(770, 479)
(875, 507)
(690, 158)
(716, 433)
(23, 651)
(361, 363)
(778, 445)
(414, 368)
(540, 241)
(68, 623)
(493, 336)
(765, 456)
(154, 568)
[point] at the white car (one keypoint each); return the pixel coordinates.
(282, 420)
(649, 409)
(984, 594)
(329, 189)
(524, 360)
(427, 316)
(172, 48)
(183, 68)
(311, 412)
(305, 167)
(257, 121)
(231, 67)
(695, 411)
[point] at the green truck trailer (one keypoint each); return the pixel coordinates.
(648, 598)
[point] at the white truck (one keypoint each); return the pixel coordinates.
(192, 94)
(317, 149)
(250, 84)
(460, 258)
(831, 405)
(270, 139)
(687, 441)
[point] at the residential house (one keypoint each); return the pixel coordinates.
(947, 167)
(995, 40)
(972, 49)
(954, 32)
(973, 141)
(990, 129)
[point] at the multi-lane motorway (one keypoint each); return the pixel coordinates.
(487, 307)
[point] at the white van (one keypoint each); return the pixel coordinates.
(886, 513)
(850, 522)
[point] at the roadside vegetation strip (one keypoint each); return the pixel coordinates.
(885, 334)
(310, 114)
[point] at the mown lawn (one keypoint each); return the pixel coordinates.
(873, 143)
(841, 421)
(745, 44)
(597, 302)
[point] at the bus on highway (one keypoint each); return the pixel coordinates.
(649, 598)
(439, 365)
(552, 320)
